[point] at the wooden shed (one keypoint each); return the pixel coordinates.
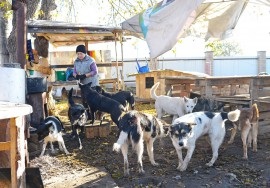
(144, 81)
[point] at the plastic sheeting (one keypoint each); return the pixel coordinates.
(164, 24)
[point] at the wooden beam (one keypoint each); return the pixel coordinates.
(4, 146)
(74, 35)
(98, 65)
(13, 152)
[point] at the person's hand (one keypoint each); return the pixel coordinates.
(78, 77)
(82, 76)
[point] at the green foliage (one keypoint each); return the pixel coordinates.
(224, 48)
(6, 8)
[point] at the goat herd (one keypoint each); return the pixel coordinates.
(136, 127)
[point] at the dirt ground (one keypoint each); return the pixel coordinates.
(96, 161)
(96, 165)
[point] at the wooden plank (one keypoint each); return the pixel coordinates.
(13, 152)
(233, 101)
(68, 83)
(262, 81)
(227, 81)
(74, 35)
(178, 81)
(264, 115)
(98, 65)
(264, 127)
(4, 146)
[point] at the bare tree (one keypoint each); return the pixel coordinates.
(3, 34)
(41, 43)
(46, 7)
(116, 10)
(124, 9)
(11, 44)
(120, 10)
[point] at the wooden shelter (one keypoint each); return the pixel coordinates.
(72, 34)
(144, 81)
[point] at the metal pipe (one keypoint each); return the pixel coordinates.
(122, 55)
(115, 43)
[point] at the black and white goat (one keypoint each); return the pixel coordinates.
(126, 98)
(77, 115)
(50, 130)
(135, 129)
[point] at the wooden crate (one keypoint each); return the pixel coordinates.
(104, 130)
(92, 131)
(97, 130)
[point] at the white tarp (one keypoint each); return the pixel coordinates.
(220, 18)
(162, 25)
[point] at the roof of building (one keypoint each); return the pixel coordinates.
(187, 73)
(68, 34)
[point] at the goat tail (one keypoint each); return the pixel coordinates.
(153, 91)
(255, 111)
(70, 99)
(234, 115)
(121, 140)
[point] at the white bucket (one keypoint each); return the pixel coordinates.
(12, 85)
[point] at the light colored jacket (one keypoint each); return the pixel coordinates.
(84, 67)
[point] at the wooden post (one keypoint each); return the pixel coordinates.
(208, 64)
(233, 90)
(13, 152)
(37, 101)
(86, 46)
(208, 89)
(153, 64)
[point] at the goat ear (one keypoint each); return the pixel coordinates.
(170, 130)
(190, 125)
(47, 125)
(195, 100)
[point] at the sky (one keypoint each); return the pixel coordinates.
(252, 33)
(253, 30)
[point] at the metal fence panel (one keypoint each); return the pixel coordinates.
(235, 67)
(222, 66)
(268, 66)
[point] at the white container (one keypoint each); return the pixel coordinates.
(12, 85)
